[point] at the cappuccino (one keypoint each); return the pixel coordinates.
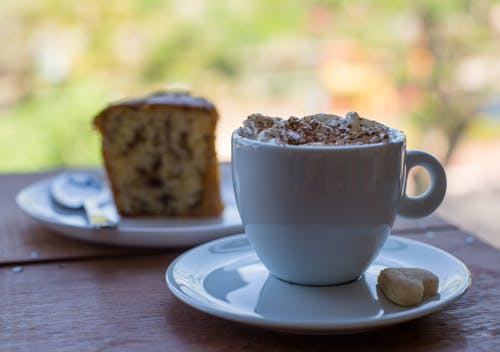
(319, 129)
(318, 195)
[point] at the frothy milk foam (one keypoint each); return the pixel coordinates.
(319, 129)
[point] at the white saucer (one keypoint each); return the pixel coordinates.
(226, 279)
(35, 201)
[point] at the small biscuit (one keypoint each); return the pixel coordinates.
(407, 286)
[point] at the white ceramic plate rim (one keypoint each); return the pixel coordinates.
(322, 327)
(138, 232)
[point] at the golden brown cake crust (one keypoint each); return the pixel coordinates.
(210, 203)
(159, 100)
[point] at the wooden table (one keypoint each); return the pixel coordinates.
(59, 294)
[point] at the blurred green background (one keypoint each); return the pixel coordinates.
(430, 68)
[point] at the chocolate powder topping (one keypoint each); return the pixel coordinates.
(319, 129)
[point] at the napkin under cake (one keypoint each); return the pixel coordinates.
(159, 155)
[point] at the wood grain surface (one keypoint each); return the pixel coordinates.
(123, 304)
(80, 297)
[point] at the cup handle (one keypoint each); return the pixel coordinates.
(425, 203)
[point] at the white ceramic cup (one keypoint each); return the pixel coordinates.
(319, 215)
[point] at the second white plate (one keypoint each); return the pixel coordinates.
(226, 279)
(35, 201)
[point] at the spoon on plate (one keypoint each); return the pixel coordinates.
(83, 190)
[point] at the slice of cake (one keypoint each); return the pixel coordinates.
(159, 155)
